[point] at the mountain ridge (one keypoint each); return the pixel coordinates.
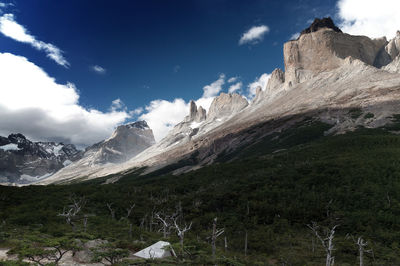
(325, 70)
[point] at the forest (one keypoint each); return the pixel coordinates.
(301, 198)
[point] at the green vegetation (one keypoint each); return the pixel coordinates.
(369, 115)
(269, 192)
(355, 113)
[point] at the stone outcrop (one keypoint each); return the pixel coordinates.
(196, 114)
(393, 47)
(275, 81)
(324, 50)
(319, 24)
(226, 104)
(126, 142)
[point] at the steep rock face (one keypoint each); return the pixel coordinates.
(126, 142)
(196, 114)
(23, 161)
(328, 74)
(393, 47)
(226, 105)
(275, 82)
(324, 49)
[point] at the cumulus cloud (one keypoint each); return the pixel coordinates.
(162, 115)
(10, 28)
(254, 35)
(369, 17)
(260, 81)
(118, 105)
(98, 69)
(137, 111)
(214, 88)
(232, 79)
(34, 104)
(235, 87)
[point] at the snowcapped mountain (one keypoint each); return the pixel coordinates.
(328, 74)
(125, 143)
(23, 161)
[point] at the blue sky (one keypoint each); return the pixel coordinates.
(146, 50)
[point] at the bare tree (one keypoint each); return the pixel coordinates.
(71, 212)
(215, 234)
(181, 230)
(166, 222)
(361, 243)
(112, 211)
(327, 241)
(129, 210)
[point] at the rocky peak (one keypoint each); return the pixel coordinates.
(192, 110)
(138, 124)
(276, 80)
(323, 48)
(319, 24)
(226, 104)
(17, 138)
(201, 114)
(196, 114)
(125, 142)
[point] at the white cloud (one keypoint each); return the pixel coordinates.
(295, 36)
(162, 115)
(34, 104)
(98, 69)
(261, 81)
(235, 87)
(214, 88)
(137, 111)
(118, 105)
(232, 79)
(370, 17)
(254, 35)
(10, 28)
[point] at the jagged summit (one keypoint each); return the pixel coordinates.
(319, 24)
(327, 73)
(126, 141)
(138, 124)
(196, 114)
(226, 104)
(24, 161)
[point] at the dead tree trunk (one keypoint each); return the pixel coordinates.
(112, 212)
(181, 231)
(327, 242)
(245, 244)
(165, 222)
(73, 210)
(226, 244)
(215, 234)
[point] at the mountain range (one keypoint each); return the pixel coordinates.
(332, 77)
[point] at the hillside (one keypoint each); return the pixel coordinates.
(272, 190)
(327, 74)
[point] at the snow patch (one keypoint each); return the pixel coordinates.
(34, 178)
(195, 124)
(67, 162)
(10, 147)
